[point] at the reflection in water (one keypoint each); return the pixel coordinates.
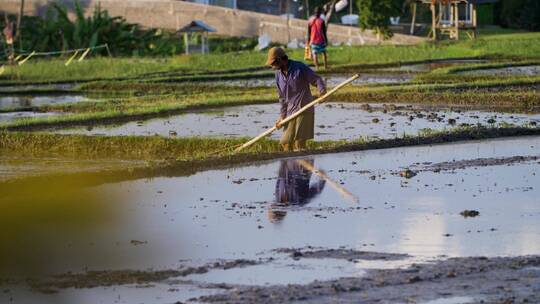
(293, 187)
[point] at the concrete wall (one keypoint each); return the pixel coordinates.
(172, 15)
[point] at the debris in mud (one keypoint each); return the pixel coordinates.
(137, 243)
(375, 120)
(366, 107)
(407, 173)
(342, 254)
(478, 162)
(469, 213)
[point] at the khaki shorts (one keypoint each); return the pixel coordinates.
(300, 128)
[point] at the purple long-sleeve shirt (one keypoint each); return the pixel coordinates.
(293, 88)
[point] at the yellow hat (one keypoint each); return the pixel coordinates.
(274, 54)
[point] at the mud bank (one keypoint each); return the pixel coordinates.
(474, 280)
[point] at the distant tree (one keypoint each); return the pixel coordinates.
(375, 15)
(523, 14)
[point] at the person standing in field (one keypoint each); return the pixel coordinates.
(293, 79)
(317, 38)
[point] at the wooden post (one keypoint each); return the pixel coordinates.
(186, 43)
(433, 21)
(413, 22)
(202, 43)
(475, 21)
(456, 19)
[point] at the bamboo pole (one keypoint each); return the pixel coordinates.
(298, 113)
(340, 189)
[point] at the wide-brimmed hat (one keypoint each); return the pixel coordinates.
(274, 54)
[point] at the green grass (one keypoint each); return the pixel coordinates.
(198, 153)
(513, 46)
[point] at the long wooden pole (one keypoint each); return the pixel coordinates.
(296, 114)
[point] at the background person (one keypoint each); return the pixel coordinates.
(317, 38)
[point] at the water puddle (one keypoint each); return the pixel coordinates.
(279, 213)
(45, 86)
(331, 80)
(333, 121)
(530, 70)
(12, 116)
(452, 300)
(436, 64)
(15, 102)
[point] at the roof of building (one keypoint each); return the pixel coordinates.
(196, 26)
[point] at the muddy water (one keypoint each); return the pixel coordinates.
(436, 64)
(14, 102)
(530, 70)
(46, 86)
(11, 116)
(250, 212)
(331, 80)
(333, 121)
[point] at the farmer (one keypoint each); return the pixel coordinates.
(316, 37)
(293, 79)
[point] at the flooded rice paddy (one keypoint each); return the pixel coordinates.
(248, 231)
(331, 80)
(530, 70)
(30, 101)
(44, 86)
(12, 116)
(333, 121)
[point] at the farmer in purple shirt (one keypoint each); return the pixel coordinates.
(293, 79)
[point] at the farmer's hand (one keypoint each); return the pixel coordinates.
(321, 94)
(278, 123)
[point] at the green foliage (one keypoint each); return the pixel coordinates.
(375, 14)
(57, 32)
(232, 44)
(523, 14)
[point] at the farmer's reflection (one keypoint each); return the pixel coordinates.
(293, 187)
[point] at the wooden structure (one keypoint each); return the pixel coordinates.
(448, 17)
(196, 27)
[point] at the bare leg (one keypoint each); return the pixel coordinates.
(299, 145)
(286, 147)
(316, 60)
(325, 57)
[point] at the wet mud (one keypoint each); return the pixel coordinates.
(345, 254)
(481, 280)
(92, 279)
